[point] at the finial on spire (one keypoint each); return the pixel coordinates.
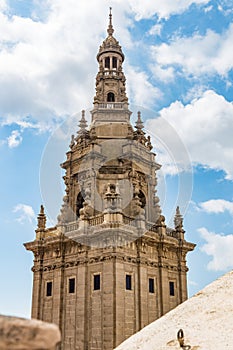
(110, 26)
(42, 209)
(82, 124)
(139, 124)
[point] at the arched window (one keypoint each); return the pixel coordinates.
(110, 97)
(114, 62)
(107, 62)
(79, 204)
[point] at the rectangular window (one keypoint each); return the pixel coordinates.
(172, 288)
(114, 62)
(96, 282)
(107, 62)
(128, 282)
(71, 285)
(151, 285)
(49, 289)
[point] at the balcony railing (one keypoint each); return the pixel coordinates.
(127, 220)
(73, 226)
(97, 220)
(111, 105)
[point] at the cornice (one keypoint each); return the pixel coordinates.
(110, 257)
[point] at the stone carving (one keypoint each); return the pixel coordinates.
(161, 221)
(112, 199)
(136, 205)
(178, 219)
(149, 144)
(72, 142)
(41, 225)
(66, 213)
(87, 211)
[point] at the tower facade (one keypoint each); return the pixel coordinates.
(111, 265)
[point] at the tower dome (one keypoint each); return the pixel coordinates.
(110, 44)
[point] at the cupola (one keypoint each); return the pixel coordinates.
(110, 80)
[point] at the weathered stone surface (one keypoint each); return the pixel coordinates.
(23, 334)
(110, 229)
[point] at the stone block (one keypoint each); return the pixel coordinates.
(23, 334)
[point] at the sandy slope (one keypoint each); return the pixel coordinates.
(206, 319)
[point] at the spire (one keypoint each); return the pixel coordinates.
(82, 124)
(139, 124)
(110, 26)
(110, 79)
(110, 44)
(82, 140)
(139, 134)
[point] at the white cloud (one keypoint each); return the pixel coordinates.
(23, 123)
(164, 74)
(15, 139)
(225, 6)
(198, 55)
(208, 8)
(47, 68)
(192, 283)
(205, 128)
(147, 94)
(26, 213)
(3, 5)
(217, 206)
(172, 152)
(220, 248)
(195, 92)
(163, 8)
(156, 30)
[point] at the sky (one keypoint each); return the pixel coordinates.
(179, 71)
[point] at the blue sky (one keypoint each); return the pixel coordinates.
(179, 70)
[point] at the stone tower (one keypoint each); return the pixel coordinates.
(111, 265)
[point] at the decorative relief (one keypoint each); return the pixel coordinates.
(101, 258)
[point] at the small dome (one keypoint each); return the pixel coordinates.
(110, 44)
